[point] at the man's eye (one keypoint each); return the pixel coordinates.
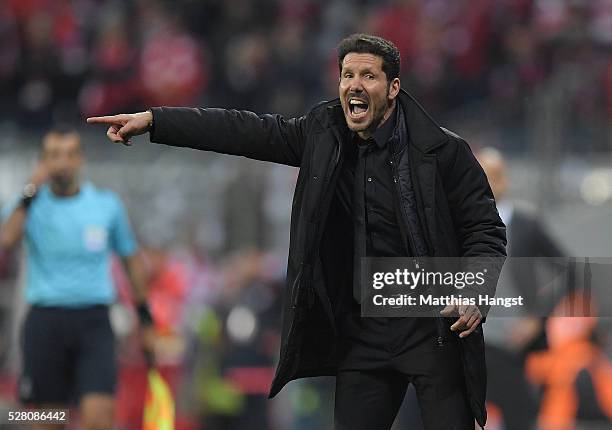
(368, 76)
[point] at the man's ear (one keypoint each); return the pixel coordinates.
(394, 88)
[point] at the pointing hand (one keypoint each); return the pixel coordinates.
(124, 126)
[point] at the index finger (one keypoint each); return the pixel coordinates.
(109, 119)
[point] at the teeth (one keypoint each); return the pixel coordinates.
(357, 107)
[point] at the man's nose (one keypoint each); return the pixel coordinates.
(62, 163)
(355, 85)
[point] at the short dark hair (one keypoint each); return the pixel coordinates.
(368, 44)
(62, 129)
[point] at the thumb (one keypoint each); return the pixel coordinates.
(127, 132)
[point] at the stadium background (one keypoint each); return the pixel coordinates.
(530, 77)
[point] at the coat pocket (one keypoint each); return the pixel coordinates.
(301, 290)
(295, 288)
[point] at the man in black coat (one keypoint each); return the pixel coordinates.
(378, 178)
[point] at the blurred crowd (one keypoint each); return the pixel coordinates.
(70, 58)
(217, 325)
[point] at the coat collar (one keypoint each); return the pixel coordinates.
(425, 134)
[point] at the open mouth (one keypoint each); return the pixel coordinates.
(358, 108)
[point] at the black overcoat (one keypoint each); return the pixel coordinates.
(440, 185)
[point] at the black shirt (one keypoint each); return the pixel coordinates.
(367, 192)
(375, 195)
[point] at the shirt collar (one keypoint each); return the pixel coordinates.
(382, 134)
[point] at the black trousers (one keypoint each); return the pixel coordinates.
(374, 375)
(369, 400)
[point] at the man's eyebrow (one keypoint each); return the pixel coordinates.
(363, 71)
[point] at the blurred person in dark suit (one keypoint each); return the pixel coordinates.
(378, 178)
(510, 339)
(70, 229)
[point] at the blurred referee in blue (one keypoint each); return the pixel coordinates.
(71, 229)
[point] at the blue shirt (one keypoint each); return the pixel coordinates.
(69, 241)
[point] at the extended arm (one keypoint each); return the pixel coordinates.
(262, 137)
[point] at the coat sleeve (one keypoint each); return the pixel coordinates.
(262, 137)
(479, 227)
